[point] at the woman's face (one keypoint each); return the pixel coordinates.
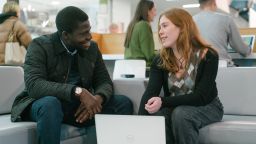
(151, 14)
(168, 32)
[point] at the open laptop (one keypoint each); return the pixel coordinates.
(130, 129)
(249, 40)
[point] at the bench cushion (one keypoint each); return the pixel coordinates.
(131, 87)
(25, 132)
(233, 129)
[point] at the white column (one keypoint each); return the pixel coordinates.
(2, 2)
(252, 18)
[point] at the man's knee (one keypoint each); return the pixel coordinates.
(48, 105)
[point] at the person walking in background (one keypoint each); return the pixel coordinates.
(139, 41)
(186, 69)
(113, 28)
(9, 20)
(66, 81)
(220, 31)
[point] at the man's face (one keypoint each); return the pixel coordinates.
(80, 37)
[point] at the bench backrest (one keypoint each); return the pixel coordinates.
(134, 67)
(11, 84)
(237, 90)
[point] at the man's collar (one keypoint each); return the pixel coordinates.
(69, 52)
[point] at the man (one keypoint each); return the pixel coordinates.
(219, 30)
(66, 80)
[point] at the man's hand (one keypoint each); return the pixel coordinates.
(90, 105)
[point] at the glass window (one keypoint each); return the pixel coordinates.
(39, 16)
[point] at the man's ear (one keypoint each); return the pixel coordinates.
(64, 35)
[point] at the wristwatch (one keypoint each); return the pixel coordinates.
(78, 91)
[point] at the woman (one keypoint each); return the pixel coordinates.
(186, 68)
(9, 20)
(139, 42)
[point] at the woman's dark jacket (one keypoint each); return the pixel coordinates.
(205, 89)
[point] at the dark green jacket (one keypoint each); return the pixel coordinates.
(46, 69)
(141, 45)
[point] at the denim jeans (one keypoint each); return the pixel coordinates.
(49, 113)
(183, 122)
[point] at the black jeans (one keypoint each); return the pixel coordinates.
(183, 122)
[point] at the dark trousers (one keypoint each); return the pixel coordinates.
(50, 113)
(183, 122)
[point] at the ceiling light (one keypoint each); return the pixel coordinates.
(191, 5)
(55, 3)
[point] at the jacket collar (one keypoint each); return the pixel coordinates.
(55, 38)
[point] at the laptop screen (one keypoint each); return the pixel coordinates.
(249, 40)
(130, 129)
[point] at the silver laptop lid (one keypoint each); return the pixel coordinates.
(249, 40)
(130, 129)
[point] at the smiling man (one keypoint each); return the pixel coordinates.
(66, 80)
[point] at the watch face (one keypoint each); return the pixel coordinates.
(78, 90)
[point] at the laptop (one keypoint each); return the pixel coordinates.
(130, 129)
(249, 40)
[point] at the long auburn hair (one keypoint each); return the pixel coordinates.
(188, 42)
(141, 13)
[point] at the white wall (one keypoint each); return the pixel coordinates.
(121, 13)
(162, 5)
(2, 2)
(252, 18)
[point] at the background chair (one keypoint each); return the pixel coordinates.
(130, 68)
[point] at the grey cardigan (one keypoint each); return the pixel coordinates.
(220, 31)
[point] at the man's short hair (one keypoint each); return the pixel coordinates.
(68, 18)
(204, 1)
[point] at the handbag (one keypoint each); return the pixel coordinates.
(14, 52)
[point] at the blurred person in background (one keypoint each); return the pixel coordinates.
(9, 19)
(139, 41)
(113, 28)
(220, 30)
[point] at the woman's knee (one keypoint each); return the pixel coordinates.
(180, 114)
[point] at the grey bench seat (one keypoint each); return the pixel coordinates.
(25, 132)
(233, 129)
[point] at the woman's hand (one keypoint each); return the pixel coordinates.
(153, 105)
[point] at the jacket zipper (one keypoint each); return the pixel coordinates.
(69, 65)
